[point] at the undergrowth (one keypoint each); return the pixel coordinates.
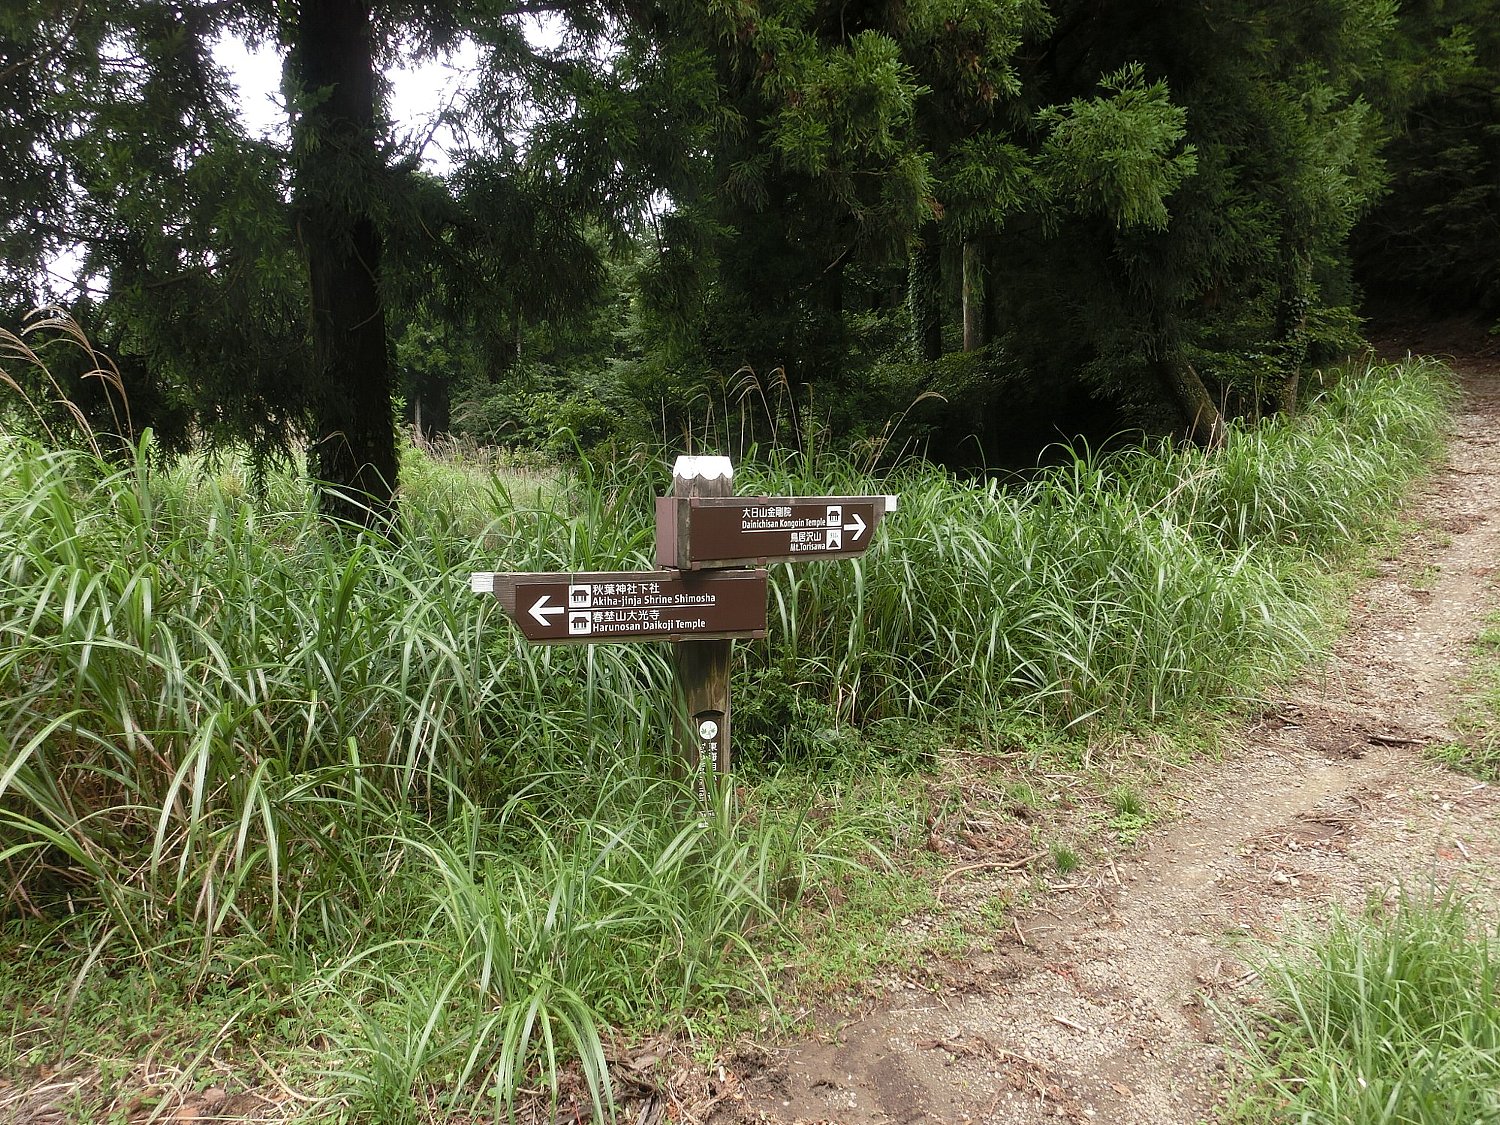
(1382, 1018)
(255, 755)
(1479, 752)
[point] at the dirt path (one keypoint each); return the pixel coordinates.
(1094, 1010)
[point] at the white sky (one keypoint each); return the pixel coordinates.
(418, 94)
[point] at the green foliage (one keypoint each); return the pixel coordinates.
(1133, 584)
(1129, 814)
(671, 195)
(1064, 859)
(1478, 752)
(1389, 1017)
(1368, 433)
(823, 166)
(775, 719)
(741, 187)
(541, 409)
(291, 753)
(1437, 233)
(863, 825)
(199, 274)
(127, 161)
(547, 922)
(1236, 277)
(1119, 155)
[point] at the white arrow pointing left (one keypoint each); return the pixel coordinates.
(542, 611)
(858, 526)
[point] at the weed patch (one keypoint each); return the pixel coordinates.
(1384, 1018)
(1479, 753)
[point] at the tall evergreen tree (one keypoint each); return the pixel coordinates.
(809, 167)
(125, 159)
(1436, 234)
(126, 148)
(1211, 293)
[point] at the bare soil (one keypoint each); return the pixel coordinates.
(1100, 1005)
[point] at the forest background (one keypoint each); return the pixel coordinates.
(283, 803)
(1008, 222)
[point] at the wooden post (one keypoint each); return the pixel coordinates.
(712, 548)
(703, 666)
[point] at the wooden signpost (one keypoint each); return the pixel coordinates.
(600, 607)
(693, 533)
(713, 547)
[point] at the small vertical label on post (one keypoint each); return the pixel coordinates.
(709, 728)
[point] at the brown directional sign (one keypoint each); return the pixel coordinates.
(645, 605)
(697, 532)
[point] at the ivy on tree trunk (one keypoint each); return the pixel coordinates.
(1201, 415)
(1293, 300)
(973, 295)
(923, 282)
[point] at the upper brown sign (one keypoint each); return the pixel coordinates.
(698, 532)
(599, 607)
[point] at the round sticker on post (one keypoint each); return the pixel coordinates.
(708, 729)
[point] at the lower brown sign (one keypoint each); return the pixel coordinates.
(599, 607)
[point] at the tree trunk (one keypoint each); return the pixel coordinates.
(973, 296)
(1291, 391)
(825, 348)
(439, 408)
(336, 164)
(924, 295)
(1292, 303)
(1205, 424)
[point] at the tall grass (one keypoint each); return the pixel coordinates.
(1111, 588)
(542, 924)
(228, 721)
(188, 680)
(225, 718)
(1380, 1019)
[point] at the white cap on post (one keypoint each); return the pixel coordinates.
(703, 468)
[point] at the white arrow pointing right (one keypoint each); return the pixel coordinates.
(542, 611)
(858, 526)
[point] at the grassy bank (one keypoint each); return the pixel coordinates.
(298, 788)
(1389, 1017)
